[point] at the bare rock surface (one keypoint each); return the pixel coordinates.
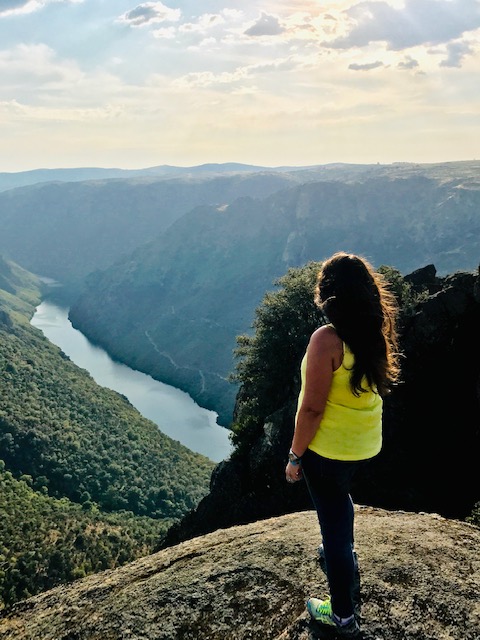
(420, 580)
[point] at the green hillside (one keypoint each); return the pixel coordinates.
(45, 541)
(76, 438)
(20, 291)
(86, 482)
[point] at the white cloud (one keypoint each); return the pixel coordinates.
(417, 22)
(204, 23)
(456, 52)
(239, 75)
(37, 113)
(34, 76)
(408, 63)
(19, 7)
(232, 14)
(27, 68)
(266, 25)
(150, 13)
(205, 79)
(165, 33)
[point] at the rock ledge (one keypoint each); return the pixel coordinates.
(420, 578)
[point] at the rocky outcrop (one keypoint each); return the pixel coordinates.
(420, 580)
(429, 460)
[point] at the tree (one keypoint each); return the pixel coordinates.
(268, 361)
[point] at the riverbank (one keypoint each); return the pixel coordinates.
(174, 411)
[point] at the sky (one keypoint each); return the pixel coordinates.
(117, 83)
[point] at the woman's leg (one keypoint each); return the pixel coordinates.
(328, 482)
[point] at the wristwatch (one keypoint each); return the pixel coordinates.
(293, 458)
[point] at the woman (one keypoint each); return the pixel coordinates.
(348, 367)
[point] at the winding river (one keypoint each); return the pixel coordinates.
(173, 411)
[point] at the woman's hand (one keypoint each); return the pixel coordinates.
(293, 472)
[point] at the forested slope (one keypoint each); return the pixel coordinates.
(75, 437)
(175, 306)
(86, 482)
(46, 541)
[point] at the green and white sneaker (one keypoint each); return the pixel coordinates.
(321, 612)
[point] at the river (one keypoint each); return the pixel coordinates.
(173, 411)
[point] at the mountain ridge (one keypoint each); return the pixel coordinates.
(11, 180)
(199, 282)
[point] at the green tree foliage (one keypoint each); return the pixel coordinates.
(75, 438)
(268, 361)
(407, 296)
(86, 483)
(19, 292)
(474, 517)
(72, 438)
(45, 541)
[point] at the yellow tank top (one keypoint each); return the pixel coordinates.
(351, 427)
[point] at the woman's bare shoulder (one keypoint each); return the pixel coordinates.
(325, 338)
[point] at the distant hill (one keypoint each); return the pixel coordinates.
(332, 171)
(174, 307)
(67, 223)
(82, 174)
(66, 231)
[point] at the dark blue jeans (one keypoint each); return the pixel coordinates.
(328, 483)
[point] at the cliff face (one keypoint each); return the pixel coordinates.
(420, 580)
(194, 288)
(429, 460)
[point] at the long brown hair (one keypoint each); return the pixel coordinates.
(356, 300)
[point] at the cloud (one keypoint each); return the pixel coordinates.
(206, 79)
(408, 63)
(266, 25)
(417, 22)
(456, 52)
(204, 23)
(19, 7)
(249, 72)
(366, 67)
(150, 13)
(29, 68)
(206, 29)
(9, 5)
(165, 33)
